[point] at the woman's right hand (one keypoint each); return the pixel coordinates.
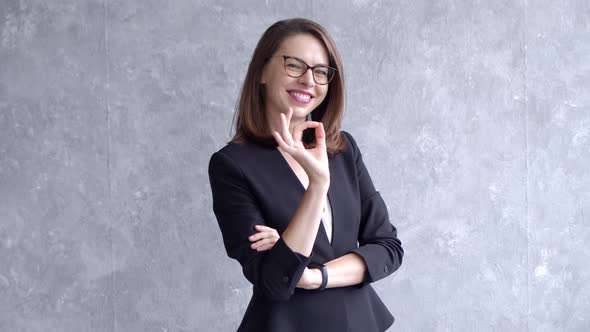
(314, 161)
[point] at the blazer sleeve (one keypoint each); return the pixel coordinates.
(275, 272)
(378, 243)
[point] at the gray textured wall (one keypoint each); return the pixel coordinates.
(474, 119)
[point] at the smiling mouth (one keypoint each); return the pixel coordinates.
(300, 97)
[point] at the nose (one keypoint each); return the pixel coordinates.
(307, 78)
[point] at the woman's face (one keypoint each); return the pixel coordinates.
(282, 91)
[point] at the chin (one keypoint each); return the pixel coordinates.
(300, 113)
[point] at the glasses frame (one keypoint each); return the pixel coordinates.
(308, 67)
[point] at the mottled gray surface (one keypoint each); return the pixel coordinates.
(473, 116)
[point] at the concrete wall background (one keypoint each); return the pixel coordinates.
(473, 117)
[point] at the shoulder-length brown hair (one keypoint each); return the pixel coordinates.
(250, 118)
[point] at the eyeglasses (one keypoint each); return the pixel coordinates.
(295, 67)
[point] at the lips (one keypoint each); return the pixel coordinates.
(300, 96)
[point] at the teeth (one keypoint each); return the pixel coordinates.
(300, 95)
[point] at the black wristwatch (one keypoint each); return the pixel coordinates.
(324, 270)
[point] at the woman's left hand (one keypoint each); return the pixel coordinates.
(264, 239)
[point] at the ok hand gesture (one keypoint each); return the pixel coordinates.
(314, 161)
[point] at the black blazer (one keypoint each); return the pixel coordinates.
(252, 185)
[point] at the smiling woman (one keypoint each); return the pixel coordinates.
(300, 212)
(251, 120)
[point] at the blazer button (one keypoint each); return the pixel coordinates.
(385, 269)
(285, 279)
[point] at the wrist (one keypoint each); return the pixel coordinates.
(319, 185)
(316, 279)
(310, 279)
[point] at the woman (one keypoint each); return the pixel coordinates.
(311, 187)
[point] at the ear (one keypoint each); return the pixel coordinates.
(263, 75)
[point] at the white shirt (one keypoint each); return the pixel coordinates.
(326, 216)
(327, 219)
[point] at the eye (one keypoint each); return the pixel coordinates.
(293, 65)
(321, 71)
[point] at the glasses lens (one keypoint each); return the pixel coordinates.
(294, 67)
(322, 75)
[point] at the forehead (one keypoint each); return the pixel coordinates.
(305, 47)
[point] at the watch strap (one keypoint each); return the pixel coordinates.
(324, 270)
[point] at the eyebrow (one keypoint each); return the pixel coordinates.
(317, 64)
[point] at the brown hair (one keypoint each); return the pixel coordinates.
(250, 117)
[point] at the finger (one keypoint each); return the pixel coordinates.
(320, 136)
(286, 133)
(253, 238)
(264, 228)
(271, 233)
(282, 144)
(257, 236)
(263, 243)
(289, 115)
(280, 141)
